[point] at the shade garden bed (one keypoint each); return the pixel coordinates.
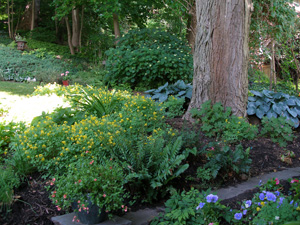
(33, 206)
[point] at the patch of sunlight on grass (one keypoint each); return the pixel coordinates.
(22, 107)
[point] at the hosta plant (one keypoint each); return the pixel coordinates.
(178, 89)
(271, 104)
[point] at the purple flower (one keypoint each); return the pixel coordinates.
(261, 196)
(248, 203)
(212, 198)
(271, 197)
(277, 193)
(260, 183)
(238, 216)
(245, 212)
(292, 202)
(200, 206)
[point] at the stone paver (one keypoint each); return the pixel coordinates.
(67, 220)
(230, 192)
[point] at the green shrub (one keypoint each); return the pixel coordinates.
(89, 180)
(43, 34)
(215, 121)
(174, 107)
(7, 131)
(133, 134)
(279, 129)
(147, 58)
(8, 181)
(271, 104)
(222, 160)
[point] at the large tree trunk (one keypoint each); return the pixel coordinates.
(75, 28)
(191, 27)
(221, 54)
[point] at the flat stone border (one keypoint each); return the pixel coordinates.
(230, 192)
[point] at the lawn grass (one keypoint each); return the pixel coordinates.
(16, 88)
(15, 98)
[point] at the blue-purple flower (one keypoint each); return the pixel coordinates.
(200, 206)
(277, 193)
(238, 216)
(245, 212)
(261, 196)
(248, 203)
(271, 197)
(212, 198)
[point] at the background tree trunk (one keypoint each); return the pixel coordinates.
(116, 26)
(32, 25)
(8, 14)
(69, 36)
(221, 54)
(75, 28)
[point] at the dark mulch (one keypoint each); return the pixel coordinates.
(32, 205)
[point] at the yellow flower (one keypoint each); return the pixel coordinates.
(298, 208)
(43, 146)
(262, 203)
(43, 159)
(257, 209)
(63, 142)
(28, 157)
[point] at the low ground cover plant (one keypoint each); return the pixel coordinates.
(217, 122)
(279, 129)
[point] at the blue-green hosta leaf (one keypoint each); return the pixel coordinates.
(297, 110)
(268, 93)
(259, 102)
(257, 93)
(180, 84)
(295, 122)
(292, 112)
(278, 95)
(251, 111)
(149, 91)
(189, 93)
(162, 87)
(259, 113)
(278, 107)
(265, 108)
(290, 102)
(181, 93)
(271, 114)
(297, 100)
(251, 105)
(251, 98)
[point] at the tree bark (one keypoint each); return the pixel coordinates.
(81, 27)
(191, 27)
(221, 54)
(8, 13)
(32, 25)
(116, 27)
(69, 36)
(75, 28)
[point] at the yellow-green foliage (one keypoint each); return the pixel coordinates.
(50, 146)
